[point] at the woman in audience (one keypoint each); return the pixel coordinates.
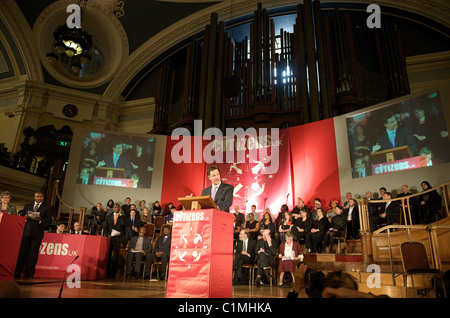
(7, 208)
(109, 206)
(168, 209)
(285, 226)
(429, 203)
(302, 224)
(267, 223)
(289, 254)
(338, 226)
(315, 237)
(253, 226)
(146, 218)
(141, 206)
(333, 204)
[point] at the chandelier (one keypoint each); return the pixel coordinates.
(73, 42)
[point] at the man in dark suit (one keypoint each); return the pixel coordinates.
(412, 204)
(33, 233)
(140, 246)
(133, 225)
(352, 215)
(220, 192)
(240, 218)
(117, 159)
(244, 253)
(265, 250)
(114, 229)
(394, 135)
(161, 252)
(389, 211)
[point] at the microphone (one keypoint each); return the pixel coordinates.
(64, 279)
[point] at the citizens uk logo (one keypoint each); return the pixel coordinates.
(235, 146)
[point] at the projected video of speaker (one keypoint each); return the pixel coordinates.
(406, 135)
(117, 161)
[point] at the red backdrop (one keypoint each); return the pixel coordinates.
(308, 168)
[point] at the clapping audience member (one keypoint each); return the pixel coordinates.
(266, 250)
(140, 246)
(244, 253)
(338, 226)
(6, 207)
(302, 225)
(429, 203)
(289, 254)
(319, 227)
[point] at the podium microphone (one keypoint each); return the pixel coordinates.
(64, 279)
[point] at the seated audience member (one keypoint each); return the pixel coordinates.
(319, 227)
(140, 246)
(285, 226)
(60, 227)
(6, 207)
(97, 218)
(240, 217)
(280, 216)
(146, 218)
(429, 203)
(338, 226)
(141, 207)
(302, 225)
(345, 207)
(267, 223)
(352, 220)
(412, 204)
(244, 253)
(161, 252)
(372, 211)
(133, 225)
(78, 230)
(168, 209)
(299, 206)
(170, 213)
(266, 250)
(289, 254)
(252, 226)
(256, 215)
(156, 210)
(317, 204)
(333, 204)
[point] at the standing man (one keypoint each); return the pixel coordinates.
(114, 229)
(38, 215)
(220, 192)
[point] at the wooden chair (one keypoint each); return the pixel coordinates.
(156, 264)
(149, 230)
(168, 225)
(415, 262)
(158, 222)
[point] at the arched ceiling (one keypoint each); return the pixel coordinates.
(151, 27)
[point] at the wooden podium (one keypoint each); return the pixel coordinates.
(389, 155)
(201, 255)
(197, 203)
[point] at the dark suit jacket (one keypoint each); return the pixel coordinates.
(240, 219)
(123, 162)
(402, 137)
(120, 225)
(146, 245)
(161, 246)
(270, 251)
(35, 229)
(224, 196)
(251, 248)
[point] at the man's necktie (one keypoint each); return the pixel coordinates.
(36, 207)
(245, 246)
(213, 194)
(392, 138)
(115, 218)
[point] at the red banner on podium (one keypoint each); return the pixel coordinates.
(201, 255)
